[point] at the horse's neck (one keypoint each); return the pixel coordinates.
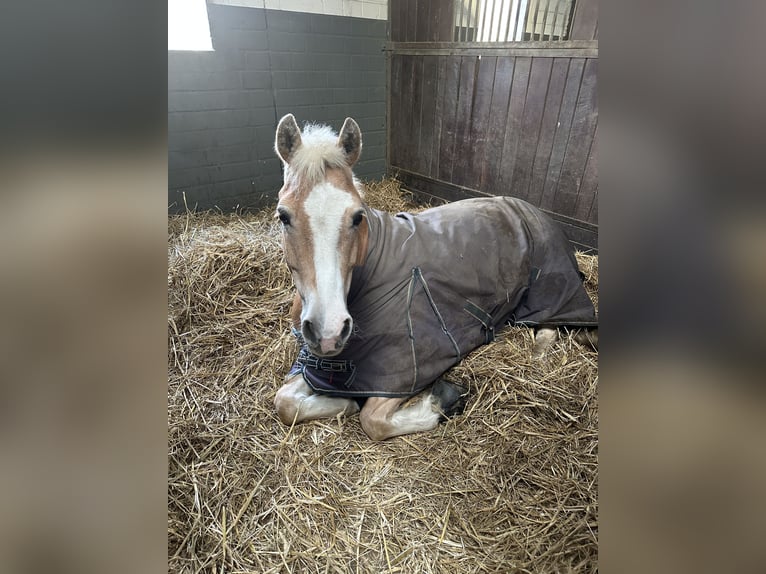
(376, 220)
(374, 223)
(385, 255)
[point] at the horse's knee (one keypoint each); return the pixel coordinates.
(286, 404)
(376, 417)
(374, 426)
(383, 418)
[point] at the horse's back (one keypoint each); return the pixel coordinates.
(510, 258)
(490, 237)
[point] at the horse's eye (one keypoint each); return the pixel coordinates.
(284, 218)
(357, 219)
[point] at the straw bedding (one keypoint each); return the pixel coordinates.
(509, 486)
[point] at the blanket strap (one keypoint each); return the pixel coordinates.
(307, 360)
(484, 318)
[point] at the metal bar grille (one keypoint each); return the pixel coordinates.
(476, 20)
(512, 20)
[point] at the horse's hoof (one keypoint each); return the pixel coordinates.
(587, 338)
(451, 398)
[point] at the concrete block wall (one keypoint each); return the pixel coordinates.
(223, 106)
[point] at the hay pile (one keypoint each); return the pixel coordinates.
(509, 486)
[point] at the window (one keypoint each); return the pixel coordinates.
(512, 20)
(188, 27)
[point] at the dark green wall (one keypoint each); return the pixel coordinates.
(223, 106)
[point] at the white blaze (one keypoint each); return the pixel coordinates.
(326, 207)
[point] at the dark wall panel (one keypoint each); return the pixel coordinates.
(534, 106)
(501, 93)
(578, 145)
(428, 114)
(585, 20)
(463, 156)
(422, 20)
(223, 106)
(441, 102)
(448, 117)
(563, 129)
(480, 118)
(516, 118)
(589, 184)
(518, 98)
(548, 127)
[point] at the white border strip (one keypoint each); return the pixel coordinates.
(371, 9)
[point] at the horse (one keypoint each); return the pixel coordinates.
(386, 304)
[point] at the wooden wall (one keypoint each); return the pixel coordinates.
(516, 118)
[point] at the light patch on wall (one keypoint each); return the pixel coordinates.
(188, 26)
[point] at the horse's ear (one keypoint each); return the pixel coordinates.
(288, 138)
(350, 140)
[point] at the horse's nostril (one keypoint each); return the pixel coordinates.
(346, 329)
(308, 332)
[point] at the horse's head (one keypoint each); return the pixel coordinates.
(324, 229)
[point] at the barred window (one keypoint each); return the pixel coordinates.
(512, 20)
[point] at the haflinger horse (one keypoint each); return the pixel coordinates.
(387, 304)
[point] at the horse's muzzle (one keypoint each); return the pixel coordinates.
(329, 344)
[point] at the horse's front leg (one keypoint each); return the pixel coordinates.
(544, 338)
(383, 418)
(296, 402)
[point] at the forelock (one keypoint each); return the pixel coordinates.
(319, 150)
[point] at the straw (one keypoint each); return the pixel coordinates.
(509, 486)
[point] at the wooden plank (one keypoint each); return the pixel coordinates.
(387, 120)
(585, 20)
(513, 125)
(394, 7)
(411, 20)
(537, 89)
(501, 93)
(441, 82)
(442, 191)
(589, 185)
(463, 143)
(449, 119)
(442, 20)
(593, 213)
(428, 117)
(496, 51)
(578, 146)
(582, 238)
(561, 137)
(406, 113)
(548, 123)
(395, 97)
(480, 116)
(521, 44)
(415, 153)
(521, 47)
(422, 30)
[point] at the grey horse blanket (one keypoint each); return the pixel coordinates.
(436, 285)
